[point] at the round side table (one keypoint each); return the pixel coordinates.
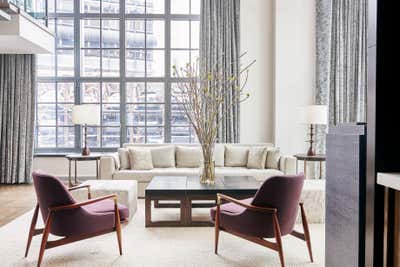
(79, 157)
(318, 157)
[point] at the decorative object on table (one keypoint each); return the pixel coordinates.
(85, 115)
(304, 157)
(313, 115)
(79, 157)
(204, 101)
(271, 213)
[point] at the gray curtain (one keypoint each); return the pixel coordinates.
(219, 51)
(17, 113)
(341, 61)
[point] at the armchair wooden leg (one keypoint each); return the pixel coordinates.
(44, 237)
(32, 229)
(118, 226)
(217, 214)
(306, 231)
(278, 238)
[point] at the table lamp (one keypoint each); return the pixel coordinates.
(85, 115)
(313, 115)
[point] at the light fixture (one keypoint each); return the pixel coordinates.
(85, 115)
(313, 115)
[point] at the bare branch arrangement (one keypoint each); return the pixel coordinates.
(206, 99)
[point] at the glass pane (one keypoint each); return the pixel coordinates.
(110, 136)
(65, 33)
(135, 6)
(50, 6)
(179, 58)
(155, 92)
(180, 135)
(46, 92)
(155, 63)
(110, 63)
(46, 114)
(155, 135)
(179, 34)
(135, 135)
(90, 33)
(193, 136)
(90, 62)
(65, 63)
(155, 114)
(90, 92)
(180, 6)
(155, 7)
(64, 114)
(135, 63)
(194, 56)
(135, 92)
(111, 115)
(46, 136)
(195, 7)
(110, 6)
(176, 95)
(65, 92)
(110, 33)
(135, 30)
(93, 137)
(66, 137)
(155, 34)
(195, 34)
(51, 24)
(65, 6)
(178, 116)
(90, 6)
(111, 92)
(46, 65)
(135, 114)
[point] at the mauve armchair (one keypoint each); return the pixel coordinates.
(70, 220)
(271, 213)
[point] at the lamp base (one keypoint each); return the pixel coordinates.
(310, 152)
(86, 151)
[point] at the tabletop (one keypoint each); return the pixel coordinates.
(92, 156)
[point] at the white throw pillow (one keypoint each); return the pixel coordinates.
(257, 157)
(163, 157)
(273, 157)
(140, 159)
(188, 157)
(236, 156)
(219, 155)
(124, 158)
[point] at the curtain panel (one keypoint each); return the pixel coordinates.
(220, 51)
(17, 111)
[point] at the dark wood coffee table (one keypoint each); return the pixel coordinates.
(186, 189)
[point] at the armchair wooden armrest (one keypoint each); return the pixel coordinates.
(82, 186)
(245, 205)
(84, 203)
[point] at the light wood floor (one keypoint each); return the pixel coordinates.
(15, 200)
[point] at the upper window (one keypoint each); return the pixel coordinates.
(119, 55)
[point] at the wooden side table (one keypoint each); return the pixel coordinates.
(79, 157)
(318, 157)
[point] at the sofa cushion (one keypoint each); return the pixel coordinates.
(124, 158)
(256, 158)
(140, 159)
(163, 157)
(236, 156)
(258, 174)
(272, 161)
(188, 156)
(147, 175)
(219, 155)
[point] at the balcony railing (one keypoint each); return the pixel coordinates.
(37, 9)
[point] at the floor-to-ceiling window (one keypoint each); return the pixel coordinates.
(117, 54)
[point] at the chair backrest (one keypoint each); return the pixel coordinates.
(282, 193)
(50, 192)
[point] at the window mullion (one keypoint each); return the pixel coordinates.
(77, 68)
(122, 73)
(167, 87)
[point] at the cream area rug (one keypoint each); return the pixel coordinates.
(156, 246)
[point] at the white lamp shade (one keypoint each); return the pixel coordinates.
(315, 114)
(86, 114)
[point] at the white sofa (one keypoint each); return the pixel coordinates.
(112, 165)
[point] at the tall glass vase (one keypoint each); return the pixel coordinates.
(207, 170)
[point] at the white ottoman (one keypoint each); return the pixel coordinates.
(126, 191)
(313, 197)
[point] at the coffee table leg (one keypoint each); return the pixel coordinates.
(69, 175)
(147, 211)
(188, 211)
(183, 208)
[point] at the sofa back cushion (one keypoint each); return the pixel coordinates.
(219, 155)
(188, 156)
(124, 158)
(236, 156)
(163, 156)
(273, 157)
(140, 159)
(257, 157)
